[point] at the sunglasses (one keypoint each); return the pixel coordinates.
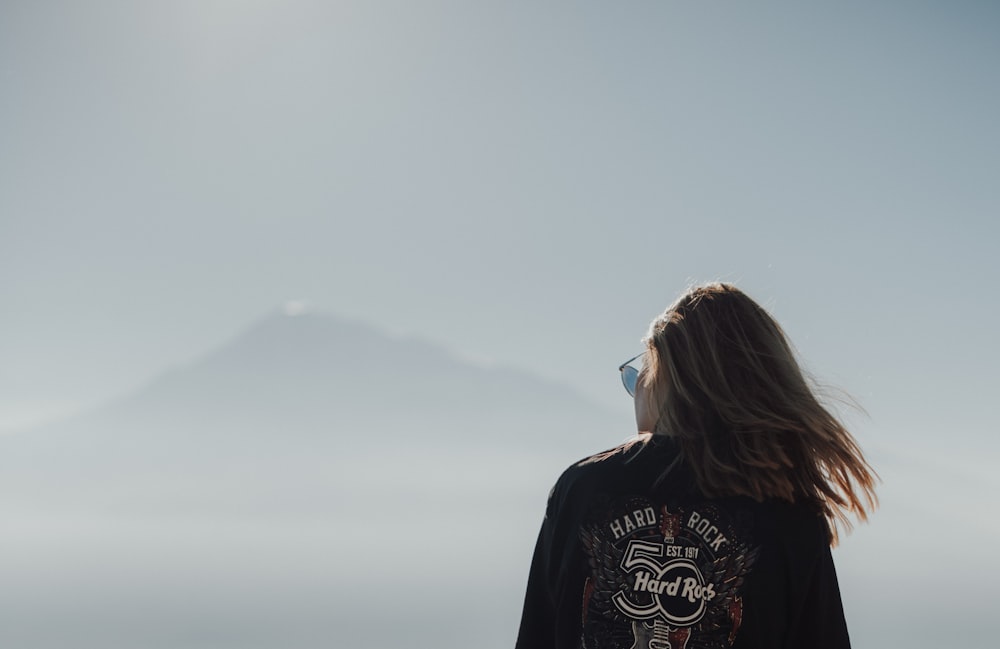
(630, 373)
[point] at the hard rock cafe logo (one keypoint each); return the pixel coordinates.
(671, 575)
(674, 590)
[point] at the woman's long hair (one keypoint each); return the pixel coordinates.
(727, 387)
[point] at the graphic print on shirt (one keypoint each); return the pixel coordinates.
(664, 577)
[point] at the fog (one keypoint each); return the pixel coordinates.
(325, 521)
(304, 306)
(234, 515)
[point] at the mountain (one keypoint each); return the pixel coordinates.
(316, 371)
(277, 491)
(304, 394)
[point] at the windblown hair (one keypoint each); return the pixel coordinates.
(728, 388)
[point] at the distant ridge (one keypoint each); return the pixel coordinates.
(305, 391)
(339, 371)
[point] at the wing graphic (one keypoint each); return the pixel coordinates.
(725, 613)
(607, 575)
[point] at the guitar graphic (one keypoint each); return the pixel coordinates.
(659, 635)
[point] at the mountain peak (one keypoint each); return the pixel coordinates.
(294, 308)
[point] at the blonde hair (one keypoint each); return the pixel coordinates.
(728, 388)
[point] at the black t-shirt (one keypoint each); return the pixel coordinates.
(632, 556)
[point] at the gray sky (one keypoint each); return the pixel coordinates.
(527, 183)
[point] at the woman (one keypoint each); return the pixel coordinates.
(713, 527)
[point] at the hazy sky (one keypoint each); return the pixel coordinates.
(527, 183)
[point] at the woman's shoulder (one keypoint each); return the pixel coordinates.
(796, 524)
(626, 449)
(610, 460)
(636, 461)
